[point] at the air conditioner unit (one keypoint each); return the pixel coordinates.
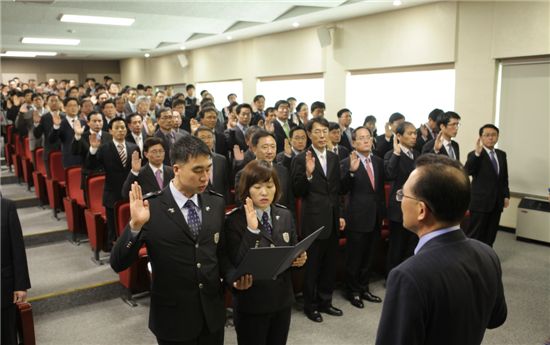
(533, 220)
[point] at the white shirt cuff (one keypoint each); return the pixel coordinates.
(255, 232)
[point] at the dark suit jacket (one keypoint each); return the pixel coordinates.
(343, 152)
(220, 175)
(15, 273)
(366, 207)
(167, 144)
(107, 159)
(420, 141)
(221, 146)
(265, 296)
(448, 293)
(383, 146)
(345, 141)
(281, 158)
(320, 196)
(82, 148)
(398, 169)
(130, 138)
(147, 180)
(234, 137)
(186, 290)
(44, 128)
(488, 189)
(429, 148)
(128, 109)
(65, 135)
(280, 134)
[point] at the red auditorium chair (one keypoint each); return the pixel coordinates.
(17, 156)
(55, 185)
(39, 177)
(8, 146)
(135, 279)
(73, 202)
(95, 216)
(26, 163)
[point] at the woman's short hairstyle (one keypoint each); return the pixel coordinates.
(257, 171)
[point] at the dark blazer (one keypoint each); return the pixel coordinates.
(420, 142)
(108, 160)
(397, 169)
(234, 137)
(44, 128)
(265, 296)
(128, 109)
(130, 138)
(320, 196)
(345, 141)
(448, 293)
(147, 180)
(238, 165)
(429, 148)
(281, 158)
(256, 117)
(167, 144)
(383, 146)
(82, 147)
(186, 290)
(15, 272)
(220, 175)
(221, 146)
(366, 206)
(280, 134)
(488, 189)
(343, 152)
(65, 135)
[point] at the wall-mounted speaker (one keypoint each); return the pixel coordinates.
(183, 60)
(325, 39)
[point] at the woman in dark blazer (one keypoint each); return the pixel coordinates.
(262, 313)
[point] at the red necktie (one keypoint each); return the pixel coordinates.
(370, 172)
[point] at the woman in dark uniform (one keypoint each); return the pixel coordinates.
(262, 313)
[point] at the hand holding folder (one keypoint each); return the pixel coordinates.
(268, 262)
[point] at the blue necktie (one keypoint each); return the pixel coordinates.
(265, 223)
(193, 219)
(494, 160)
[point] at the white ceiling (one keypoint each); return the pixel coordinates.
(164, 26)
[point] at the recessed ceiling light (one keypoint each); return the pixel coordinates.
(15, 53)
(295, 24)
(72, 18)
(183, 48)
(229, 38)
(397, 3)
(55, 41)
(147, 55)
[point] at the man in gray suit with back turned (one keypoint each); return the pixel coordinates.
(451, 290)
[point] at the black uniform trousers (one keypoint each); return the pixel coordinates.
(262, 329)
(9, 326)
(360, 248)
(320, 273)
(483, 226)
(205, 338)
(402, 244)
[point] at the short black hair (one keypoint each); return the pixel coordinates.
(262, 133)
(129, 117)
(231, 94)
(243, 105)
(257, 98)
(207, 109)
(489, 125)
(68, 99)
(296, 129)
(333, 125)
(202, 129)
(27, 91)
(354, 132)
(434, 114)
(108, 101)
(189, 86)
(300, 105)
(290, 99)
(116, 119)
(177, 102)
(150, 142)
(403, 126)
(369, 118)
(188, 147)
(232, 106)
(445, 118)
(36, 95)
(281, 102)
(317, 105)
(444, 186)
(320, 120)
(89, 116)
(269, 110)
(342, 112)
(396, 117)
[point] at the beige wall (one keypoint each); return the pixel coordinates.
(44, 67)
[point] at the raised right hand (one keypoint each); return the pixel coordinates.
(78, 129)
(354, 162)
(36, 116)
(387, 130)
(251, 216)
(438, 142)
(136, 162)
(310, 163)
(288, 148)
(139, 208)
(424, 131)
(396, 146)
(94, 141)
(56, 118)
(478, 147)
(238, 154)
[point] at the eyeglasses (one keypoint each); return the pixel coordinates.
(399, 195)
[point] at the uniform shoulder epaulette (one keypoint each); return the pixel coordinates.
(281, 206)
(152, 195)
(215, 193)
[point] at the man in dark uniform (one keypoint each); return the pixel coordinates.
(182, 227)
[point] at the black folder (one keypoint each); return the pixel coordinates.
(266, 263)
